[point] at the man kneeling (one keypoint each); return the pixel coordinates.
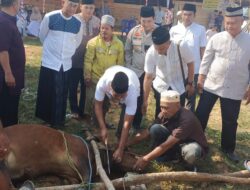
(177, 130)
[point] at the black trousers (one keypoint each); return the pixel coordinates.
(191, 102)
(229, 112)
(8, 106)
(157, 96)
(138, 113)
(52, 96)
(76, 78)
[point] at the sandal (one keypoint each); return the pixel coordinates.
(247, 164)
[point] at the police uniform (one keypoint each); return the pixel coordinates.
(137, 44)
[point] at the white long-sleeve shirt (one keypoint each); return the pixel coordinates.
(60, 37)
(226, 62)
(195, 37)
(167, 68)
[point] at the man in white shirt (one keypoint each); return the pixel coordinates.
(60, 34)
(225, 74)
(195, 36)
(162, 61)
(121, 86)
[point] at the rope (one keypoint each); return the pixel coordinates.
(123, 183)
(90, 166)
(71, 161)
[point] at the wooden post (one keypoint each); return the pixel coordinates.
(99, 167)
(166, 176)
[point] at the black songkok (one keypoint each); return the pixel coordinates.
(189, 7)
(160, 35)
(88, 2)
(147, 11)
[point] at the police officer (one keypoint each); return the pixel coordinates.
(138, 41)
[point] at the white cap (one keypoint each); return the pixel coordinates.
(170, 96)
(108, 19)
(178, 13)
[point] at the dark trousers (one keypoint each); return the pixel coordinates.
(192, 100)
(8, 106)
(52, 96)
(160, 134)
(229, 111)
(157, 96)
(138, 113)
(76, 77)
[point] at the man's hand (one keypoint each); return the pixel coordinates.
(104, 134)
(140, 164)
(247, 96)
(118, 155)
(200, 83)
(10, 80)
(88, 81)
(144, 107)
(190, 90)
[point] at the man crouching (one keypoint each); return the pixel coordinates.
(177, 131)
(119, 85)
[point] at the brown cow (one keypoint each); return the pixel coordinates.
(30, 151)
(36, 150)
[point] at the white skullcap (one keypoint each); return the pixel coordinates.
(178, 13)
(170, 96)
(108, 19)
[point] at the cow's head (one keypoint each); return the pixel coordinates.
(126, 165)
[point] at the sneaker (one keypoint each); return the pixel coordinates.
(72, 116)
(28, 185)
(247, 164)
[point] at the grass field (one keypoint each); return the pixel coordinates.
(215, 162)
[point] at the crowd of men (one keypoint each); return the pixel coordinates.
(80, 49)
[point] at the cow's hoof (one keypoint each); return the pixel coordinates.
(28, 185)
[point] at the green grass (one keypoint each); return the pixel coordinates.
(215, 162)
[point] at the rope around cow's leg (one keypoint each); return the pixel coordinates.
(71, 162)
(90, 166)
